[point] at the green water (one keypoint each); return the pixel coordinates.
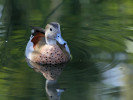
(100, 37)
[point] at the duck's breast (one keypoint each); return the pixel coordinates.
(52, 54)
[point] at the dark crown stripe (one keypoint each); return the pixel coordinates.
(55, 25)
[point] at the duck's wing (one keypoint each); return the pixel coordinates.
(37, 37)
(35, 30)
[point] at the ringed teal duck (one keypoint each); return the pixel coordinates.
(46, 46)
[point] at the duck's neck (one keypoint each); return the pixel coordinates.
(50, 41)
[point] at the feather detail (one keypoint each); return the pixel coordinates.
(37, 38)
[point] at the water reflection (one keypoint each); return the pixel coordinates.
(54, 93)
(51, 73)
(100, 36)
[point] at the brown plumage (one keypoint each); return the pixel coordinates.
(50, 55)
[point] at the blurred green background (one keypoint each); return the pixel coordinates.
(99, 34)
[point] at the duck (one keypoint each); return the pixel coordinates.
(46, 45)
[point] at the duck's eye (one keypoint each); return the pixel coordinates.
(50, 29)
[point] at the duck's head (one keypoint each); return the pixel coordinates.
(53, 34)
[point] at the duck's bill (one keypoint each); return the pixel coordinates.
(67, 48)
(62, 42)
(60, 39)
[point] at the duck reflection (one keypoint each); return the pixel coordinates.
(51, 73)
(52, 90)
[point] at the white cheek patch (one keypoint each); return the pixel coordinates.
(29, 49)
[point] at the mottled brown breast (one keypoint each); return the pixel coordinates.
(51, 54)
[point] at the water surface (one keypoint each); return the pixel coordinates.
(100, 37)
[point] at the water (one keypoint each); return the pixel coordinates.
(99, 35)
